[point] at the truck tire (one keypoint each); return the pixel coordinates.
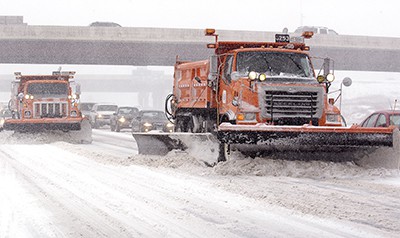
(117, 128)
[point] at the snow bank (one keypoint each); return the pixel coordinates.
(239, 165)
(244, 166)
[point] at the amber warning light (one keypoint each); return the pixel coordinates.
(307, 34)
(209, 32)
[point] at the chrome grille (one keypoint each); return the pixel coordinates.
(291, 102)
(50, 109)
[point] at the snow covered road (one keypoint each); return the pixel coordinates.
(106, 190)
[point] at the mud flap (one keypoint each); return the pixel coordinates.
(202, 146)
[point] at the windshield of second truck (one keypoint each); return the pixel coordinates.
(275, 64)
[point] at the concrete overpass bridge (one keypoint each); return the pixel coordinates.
(159, 46)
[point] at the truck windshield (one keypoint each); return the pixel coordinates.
(45, 90)
(278, 64)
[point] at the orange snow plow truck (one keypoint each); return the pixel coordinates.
(260, 98)
(44, 103)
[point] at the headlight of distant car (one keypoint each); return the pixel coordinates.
(147, 124)
(99, 116)
(122, 119)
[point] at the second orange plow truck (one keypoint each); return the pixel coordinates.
(47, 104)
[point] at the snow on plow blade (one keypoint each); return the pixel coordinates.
(202, 146)
(306, 135)
(369, 147)
(17, 125)
(75, 131)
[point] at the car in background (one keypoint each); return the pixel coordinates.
(384, 118)
(4, 114)
(105, 24)
(149, 120)
(321, 30)
(101, 113)
(122, 118)
(85, 108)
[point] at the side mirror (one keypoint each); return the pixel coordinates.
(78, 89)
(347, 81)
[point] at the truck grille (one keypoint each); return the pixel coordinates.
(50, 109)
(291, 102)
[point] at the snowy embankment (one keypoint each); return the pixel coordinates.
(106, 190)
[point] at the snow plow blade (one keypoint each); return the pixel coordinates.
(74, 131)
(354, 136)
(376, 147)
(202, 146)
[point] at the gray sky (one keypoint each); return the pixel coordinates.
(347, 17)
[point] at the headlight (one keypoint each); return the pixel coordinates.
(122, 119)
(249, 116)
(27, 96)
(27, 113)
(2, 122)
(146, 124)
(262, 77)
(332, 118)
(330, 78)
(99, 116)
(252, 75)
(169, 125)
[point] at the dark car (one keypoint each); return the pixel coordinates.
(122, 118)
(105, 24)
(149, 120)
(382, 118)
(4, 114)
